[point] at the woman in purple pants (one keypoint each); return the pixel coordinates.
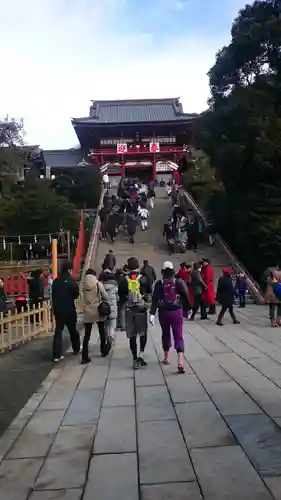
(169, 295)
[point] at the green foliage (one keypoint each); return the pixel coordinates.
(82, 186)
(241, 133)
(12, 154)
(35, 205)
(37, 210)
(199, 178)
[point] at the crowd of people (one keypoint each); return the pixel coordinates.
(131, 206)
(128, 298)
(185, 230)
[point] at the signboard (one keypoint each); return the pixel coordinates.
(161, 140)
(154, 147)
(166, 166)
(113, 142)
(122, 148)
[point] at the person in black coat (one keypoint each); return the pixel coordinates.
(225, 296)
(131, 227)
(3, 297)
(65, 291)
(109, 261)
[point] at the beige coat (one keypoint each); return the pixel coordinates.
(269, 295)
(93, 294)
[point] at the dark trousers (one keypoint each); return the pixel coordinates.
(199, 302)
(34, 303)
(134, 347)
(103, 230)
(192, 243)
(70, 322)
(104, 347)
(223, 310)
(242, 299)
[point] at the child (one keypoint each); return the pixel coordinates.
(143, 216)
(168, 296)
(136, 289)
(241, 288)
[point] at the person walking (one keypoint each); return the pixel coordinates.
(170, 234)
(241, 288)
(144, 214)
(168, 297)
(271, 277)
(65, 291)
(93, 295)
(109, 261)
(184, 275)
(151, 196)
(131, 227)
(225, 296)
(198, 287)
(103, 220)
(111, 226)
(36, 290)
(148, 271)
(109, 282)
(137, 289)
(208, 276)
(121, 304)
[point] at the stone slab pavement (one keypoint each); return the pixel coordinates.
(104, 431)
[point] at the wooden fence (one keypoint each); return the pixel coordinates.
(19, 327)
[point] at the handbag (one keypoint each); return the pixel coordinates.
(104, 308)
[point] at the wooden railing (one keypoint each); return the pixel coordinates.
(19, 327)
(94, 241)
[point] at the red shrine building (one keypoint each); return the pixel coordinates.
(143, 138)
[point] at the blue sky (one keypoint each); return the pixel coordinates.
(57, 55)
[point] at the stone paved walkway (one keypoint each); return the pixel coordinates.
(105, 432)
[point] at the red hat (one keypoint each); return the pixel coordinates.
(227, 271)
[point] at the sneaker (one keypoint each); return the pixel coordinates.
(236, 322)
(85, 361)
(166, 362)
(57, 360)
(142, 362)
(136, 364)
(181, 369)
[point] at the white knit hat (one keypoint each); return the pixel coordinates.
(168, 265)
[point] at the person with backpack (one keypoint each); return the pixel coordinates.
(136, 289)
(169, 295)
(109, 282)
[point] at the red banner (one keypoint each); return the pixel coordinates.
(80, 249)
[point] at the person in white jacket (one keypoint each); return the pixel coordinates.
(144, 214)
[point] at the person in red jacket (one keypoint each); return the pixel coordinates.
(208, 276)
(184, 274)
